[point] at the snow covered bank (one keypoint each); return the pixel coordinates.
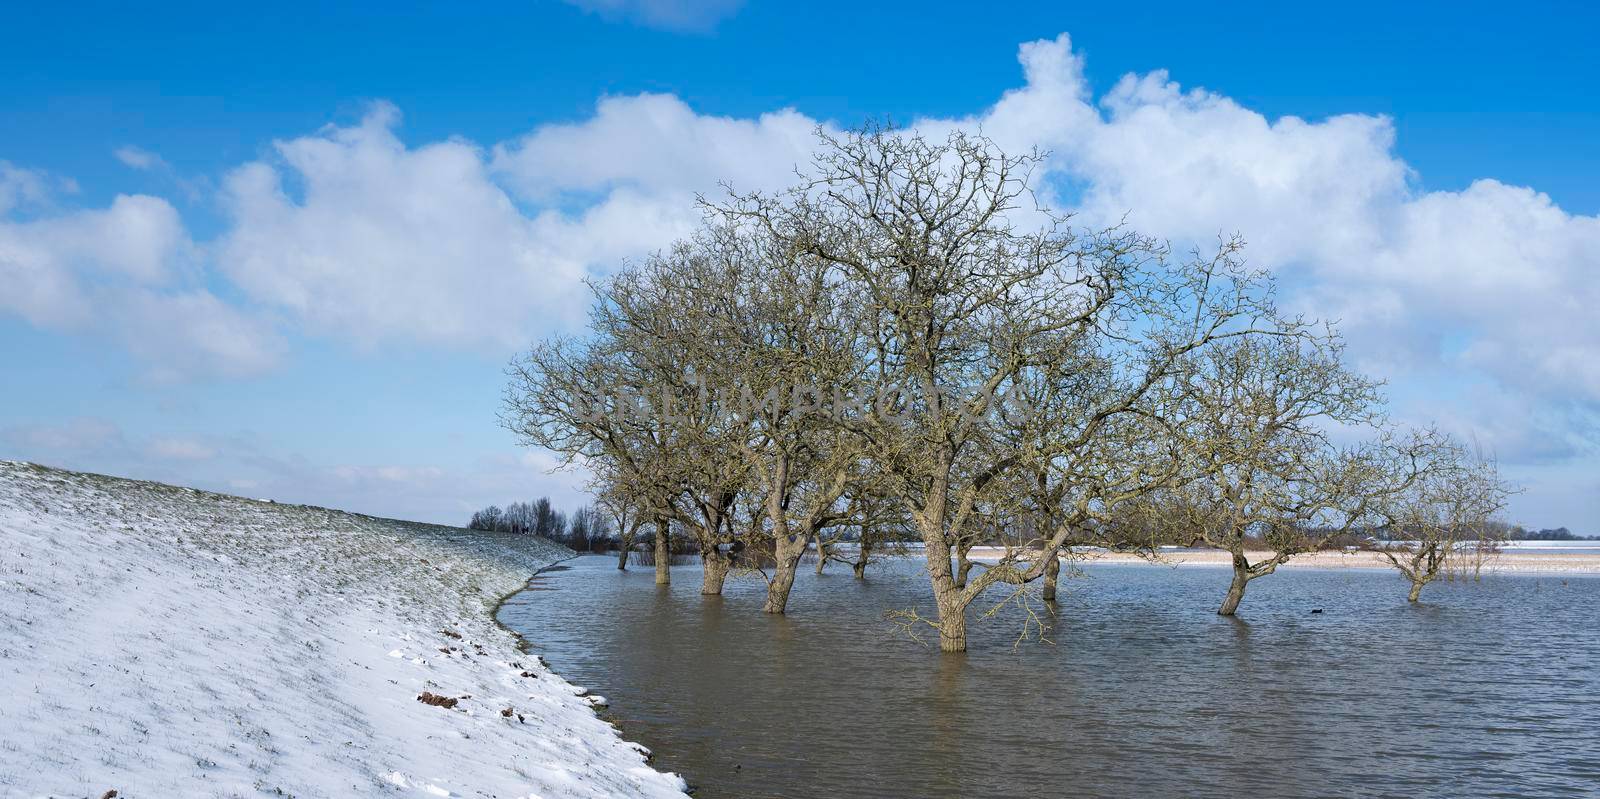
(163, 641)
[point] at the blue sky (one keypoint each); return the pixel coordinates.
(245, 247)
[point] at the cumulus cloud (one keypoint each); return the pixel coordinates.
(184, 333)
(128, 271)
(377, 241)
(692, 16)
(194, 189)
(384, 242)
(138, 238)
(656, 144)
(1494, 279)
(623, 182)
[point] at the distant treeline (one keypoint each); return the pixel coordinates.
(585, 530)
(1519, 533)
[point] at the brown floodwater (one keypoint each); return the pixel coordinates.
(1482, 689)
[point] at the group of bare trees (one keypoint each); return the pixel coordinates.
(588, 529)
(906, 341)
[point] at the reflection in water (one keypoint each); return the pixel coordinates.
(1483, 688)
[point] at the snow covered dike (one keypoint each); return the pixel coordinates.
(164, 642)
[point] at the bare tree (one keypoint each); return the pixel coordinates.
(490, 518)
(1488, 546)
(625, 519)
(1261, 469)
(784, 343)
(878, 527)
(702, 352)
(588, 530)
(1449, 504)
(562, 396)
(636, 399)
(960, 301)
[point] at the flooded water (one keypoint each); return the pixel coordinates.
(1482, 689)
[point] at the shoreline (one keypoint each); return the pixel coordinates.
(165, 641)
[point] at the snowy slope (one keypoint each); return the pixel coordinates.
(166, 642)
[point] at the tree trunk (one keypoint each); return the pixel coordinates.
(788, 555)
(715, 573)
(663, 553)
(946, 594)
(862, 553)
(952, 621)
(1416, 591)
(822, 554)
(950, 598)
(1230, 603)
(627, 546)
(1052, 573)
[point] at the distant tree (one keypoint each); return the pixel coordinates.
(1552, 534)
(518, 518)
(877, 527)
(543, 518)
(600, 529)
(490, 518)
(587, 530)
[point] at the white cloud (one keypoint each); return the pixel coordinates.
(378, 241)
(1506, 422)
(384, 242)
(635, 168)
(138, 238)
(21, 187)
(129, 272)
(193, 189)
(139, 158)
(187, 332)
(672, 15)
(656, 144)
(1506, 269)
(1494, 280)
(430, 492)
